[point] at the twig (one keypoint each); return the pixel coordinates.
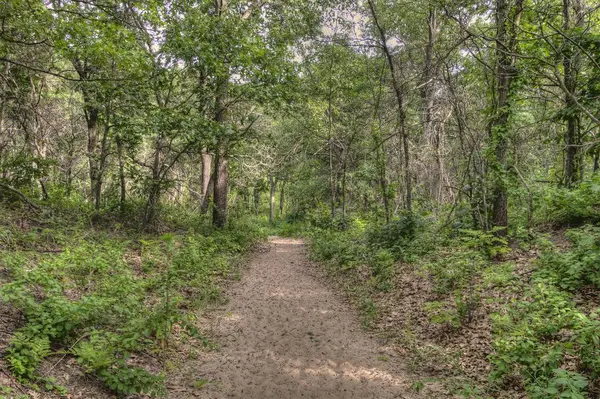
(67, 352)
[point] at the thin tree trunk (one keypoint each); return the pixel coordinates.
(91, 111)
(221, 169)
(332, 182)
(344, 192)
(399, 94)
(154, 192)
(380, 159)
(206, 180)
(430, 132)
(221, 183)
(122, 180)
(102, 163)
(273, 184)
(573, 117)
(506, 46)
(256, 196)
(281, 198)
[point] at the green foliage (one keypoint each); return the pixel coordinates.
(440, 313)
(489, 243)
(397, 235)
(545, 332)
(455, 313)
(103, 298)
(455, 268)
(131, 380)
(563, 384)
(577, 267)
(575, 206)
(26, 352)
(23, 169)
(382, 263)
(345, 249)
(368, 310)
(537, 337)
(499, 275)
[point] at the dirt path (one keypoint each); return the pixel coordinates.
(284, 334)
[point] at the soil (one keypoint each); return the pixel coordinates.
(286, 334)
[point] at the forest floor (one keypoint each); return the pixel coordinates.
(284, 333)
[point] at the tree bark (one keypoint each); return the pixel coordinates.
(103, 154)
(91, 112)
(155, 184)
(221, 169)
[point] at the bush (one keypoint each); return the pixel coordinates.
(455, 269)
(397, 235)
(577, 267)
(542, 336)
(102, 298)
(344, 249)
(575, 206)
(382, 265)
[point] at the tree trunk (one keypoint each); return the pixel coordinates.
(256, 196)
(101, 164)
(155, 185)
(91, 111)
(399, 95)
(91, 117)
(221, 183)
(571, 66)
(344, 192)
(281, 198)
(430, 132)
(122, 180)
(273, 183)
(221, 168)
(332, 177)
(506, 46)
(206, 181)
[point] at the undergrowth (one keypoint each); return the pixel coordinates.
(545, 320)
(103, 296)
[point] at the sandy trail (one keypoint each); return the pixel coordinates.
(285, 334)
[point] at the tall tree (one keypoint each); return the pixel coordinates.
(507, 14)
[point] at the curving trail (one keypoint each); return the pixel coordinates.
(285, 334)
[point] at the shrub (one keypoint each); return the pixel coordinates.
(397, 235)
(455, 269)
(540, 336)
(382, 265)
(577, 267)
(89, 299)
(575, 206)
(487, 242)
